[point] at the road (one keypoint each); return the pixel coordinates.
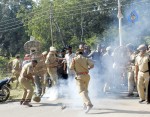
(109, 106)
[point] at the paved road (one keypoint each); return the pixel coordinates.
(103, 107)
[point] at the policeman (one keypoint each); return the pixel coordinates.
(107, 62)
(44, 54)
(25, 76)
(142, 72)
(131, 69)
(16, 68)
(52, 63)
(148, 49)
(39, 75)
(81, 66)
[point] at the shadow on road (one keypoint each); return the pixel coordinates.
(120, 111)
(47, 104)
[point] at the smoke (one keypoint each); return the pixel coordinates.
(65, 89)
(134, 31)
(115, 77)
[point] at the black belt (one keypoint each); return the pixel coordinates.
(145, 71)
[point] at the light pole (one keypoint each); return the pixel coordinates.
(120, 16)
(81, 24)
(51, 23)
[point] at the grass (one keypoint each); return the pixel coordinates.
(14, 93)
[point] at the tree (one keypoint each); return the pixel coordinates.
(71, 19)
(12, 32)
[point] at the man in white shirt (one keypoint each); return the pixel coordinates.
(69, 57)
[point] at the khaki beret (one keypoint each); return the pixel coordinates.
(44, 53)
(79, 50)
(142, 47)
(17, 55)
(52, 48)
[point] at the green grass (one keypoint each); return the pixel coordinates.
(14, 93)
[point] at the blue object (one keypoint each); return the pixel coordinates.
(133, 17)
(4, 81)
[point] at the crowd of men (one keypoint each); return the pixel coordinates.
(111, 65)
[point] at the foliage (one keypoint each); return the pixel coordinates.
(3, 66)
(73, 22)
(12, 32)
(3, 62)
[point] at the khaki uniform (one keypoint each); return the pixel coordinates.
(143, 75)
(80, 64)
(16, 68)
(51, 62)
(40, 71)
(24, 79)
(131, 78)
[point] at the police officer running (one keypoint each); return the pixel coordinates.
(81, 66)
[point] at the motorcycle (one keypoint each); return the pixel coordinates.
(5, 89)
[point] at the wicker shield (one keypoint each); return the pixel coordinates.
(32, 44)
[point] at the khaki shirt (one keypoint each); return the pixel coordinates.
(41, 68)
(16, 65)
(142, 63)
(81, 64)
(131, 65)
(27, 70)
(51, 60)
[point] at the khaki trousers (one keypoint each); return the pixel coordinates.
(143, 80)
(27, 87)
(131, 82)
(53, 75)
(15, 75)
(82, 82)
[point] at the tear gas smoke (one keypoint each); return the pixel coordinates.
(132, 33)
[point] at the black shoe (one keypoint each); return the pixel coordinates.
(21, 102)
(148, 102)
(130, 95)
(141, 101)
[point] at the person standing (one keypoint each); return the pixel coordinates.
(107, 63)
(142, 72)
(131, 67)
(81, 66)
(69, 57)
(62, 67)
(26, 75)
(40, 75)
(52, 63)
(16, 68)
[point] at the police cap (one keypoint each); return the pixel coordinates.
(142, 47)
(44, 53)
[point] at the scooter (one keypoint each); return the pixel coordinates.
(5, 89)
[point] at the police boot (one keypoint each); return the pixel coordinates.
(22, 101)
(27, 103)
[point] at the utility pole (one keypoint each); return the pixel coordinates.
(81, 24)
(120, 16)
(51, 21)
